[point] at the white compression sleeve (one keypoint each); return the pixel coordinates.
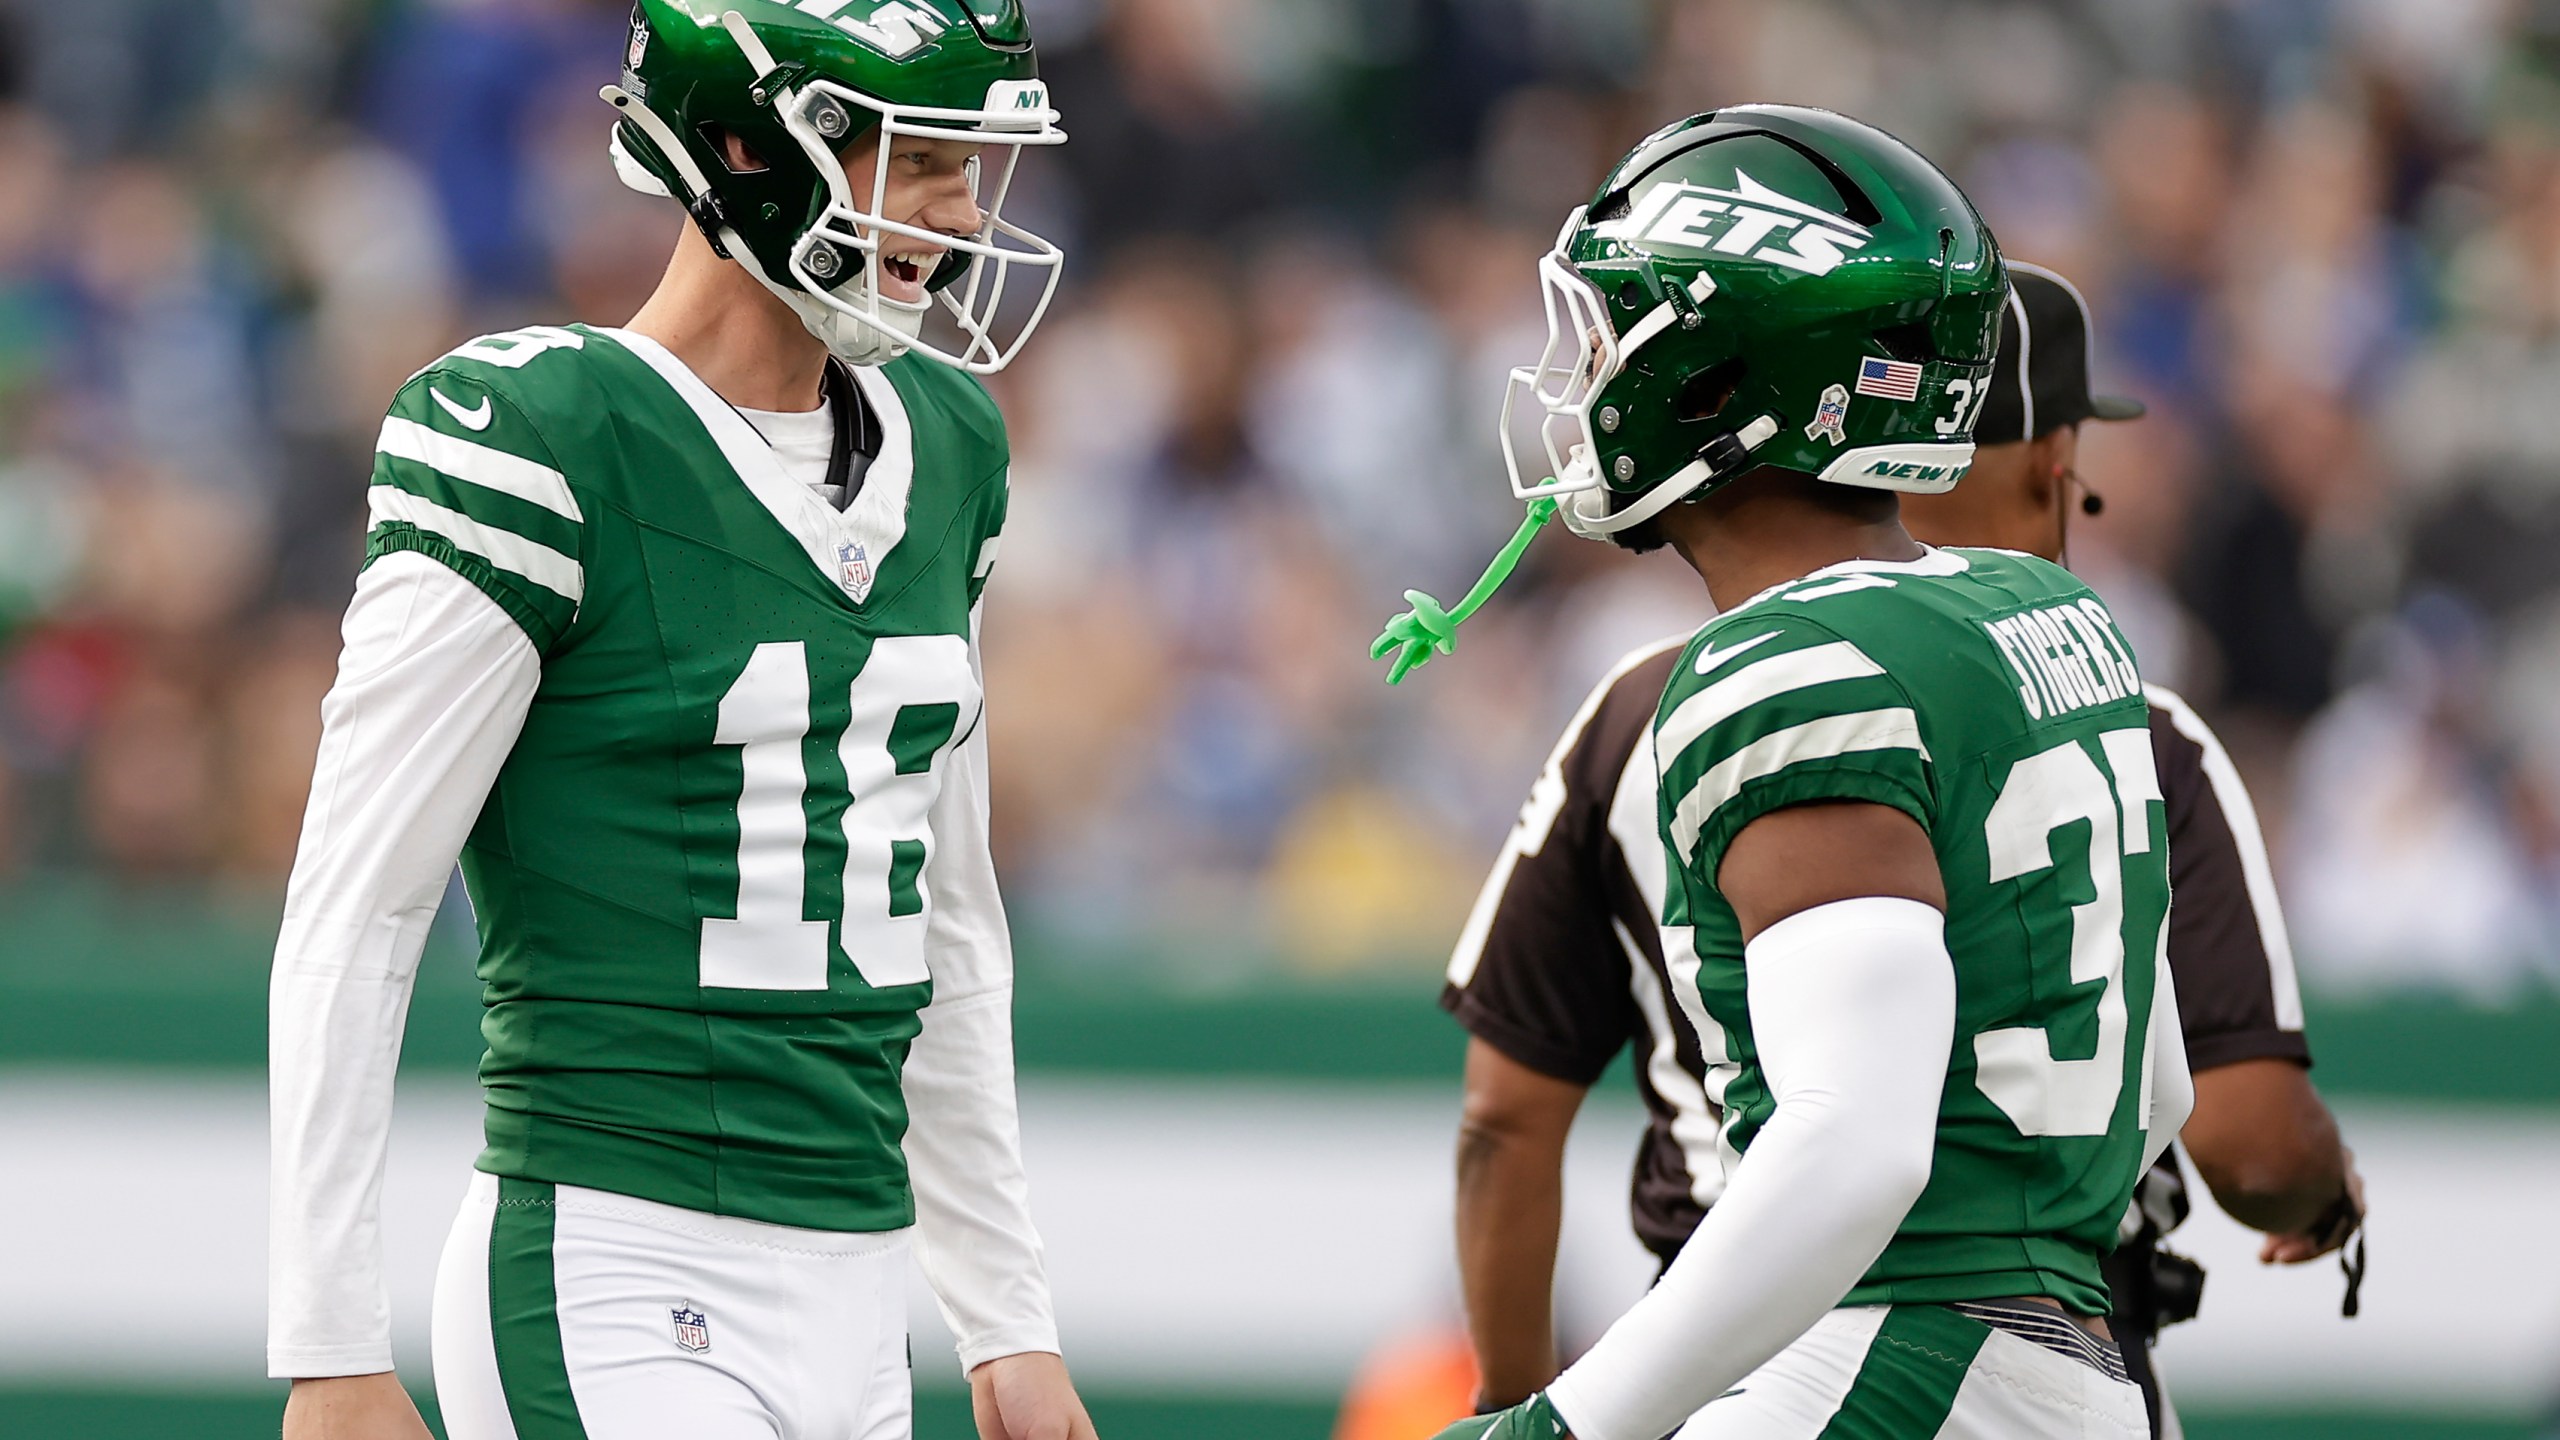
(432, 688)
(964, 1140)
(1853, 1008)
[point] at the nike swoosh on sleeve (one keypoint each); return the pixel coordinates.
(1708, 659)
(474, 419)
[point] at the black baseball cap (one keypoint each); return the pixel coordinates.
(2044, 331)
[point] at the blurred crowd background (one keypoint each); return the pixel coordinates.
(2322, 240)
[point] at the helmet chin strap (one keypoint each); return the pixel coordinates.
(854, 341)
(1720, 457)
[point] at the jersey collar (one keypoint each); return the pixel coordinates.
(1932, 561)
(870, 527)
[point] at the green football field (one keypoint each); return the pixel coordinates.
(88, 1414)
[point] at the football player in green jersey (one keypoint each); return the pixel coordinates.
(1917, 880)
(670, 632)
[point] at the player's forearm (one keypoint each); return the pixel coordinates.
(333, 1047)
(1510, 1209)
(974, 1230)
(978, 1245)
(1853, 1009)
(2266, 1145)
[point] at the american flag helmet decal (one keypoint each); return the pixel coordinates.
(1888, 379)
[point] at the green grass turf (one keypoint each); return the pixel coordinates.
(67, 1413)
(29, 1412)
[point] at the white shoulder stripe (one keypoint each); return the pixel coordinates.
(1896, 728)
(1756, 682)
(2259, 875)
(479, 464)
(505, 549)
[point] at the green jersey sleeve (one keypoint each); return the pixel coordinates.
(1771, 709)
(983, 564)
(461, 476)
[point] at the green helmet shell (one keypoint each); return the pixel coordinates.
(962, 66)
(1763, 285)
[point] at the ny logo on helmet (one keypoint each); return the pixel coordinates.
(896, 29)
(1750, 220)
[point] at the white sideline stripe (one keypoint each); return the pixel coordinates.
(153, 1275)
(478, 464)
(986, 558)
(1758, 681)
(505, 549)
(1891, 729)
(2260, 876)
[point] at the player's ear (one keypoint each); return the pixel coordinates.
(2046, 468)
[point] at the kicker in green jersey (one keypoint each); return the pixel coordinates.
(699, 878)
(1990, 696)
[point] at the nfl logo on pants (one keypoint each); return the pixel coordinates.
(693, 1332)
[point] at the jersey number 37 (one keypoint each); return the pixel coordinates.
(2043, 793)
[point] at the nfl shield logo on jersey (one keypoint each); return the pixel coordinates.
(857, 569)
(693, 1332)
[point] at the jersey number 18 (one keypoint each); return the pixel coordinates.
(906, 704)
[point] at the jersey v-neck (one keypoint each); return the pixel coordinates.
(847, 546)
(804, 441)
(830, 448)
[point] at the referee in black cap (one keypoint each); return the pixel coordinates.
(1560, 966)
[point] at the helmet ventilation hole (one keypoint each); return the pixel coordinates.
(1910, 342)
(1705, 394)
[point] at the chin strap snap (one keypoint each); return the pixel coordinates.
(1414, 635)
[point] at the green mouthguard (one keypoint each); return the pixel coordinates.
(1416, 633)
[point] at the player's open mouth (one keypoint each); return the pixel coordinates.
(903, 271)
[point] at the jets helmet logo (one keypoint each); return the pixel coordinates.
(896, 29)
(1750, 220)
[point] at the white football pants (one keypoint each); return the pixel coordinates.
(570, 1314)
(1920, 1372)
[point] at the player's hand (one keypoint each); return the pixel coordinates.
(1531, 1419)
(2327, 1234)
(1027, 1397)
(352, 1407)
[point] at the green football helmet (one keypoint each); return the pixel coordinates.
(1759, 285)
(801, 84)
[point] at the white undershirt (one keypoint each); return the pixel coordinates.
(433, 686)
(804, 441)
